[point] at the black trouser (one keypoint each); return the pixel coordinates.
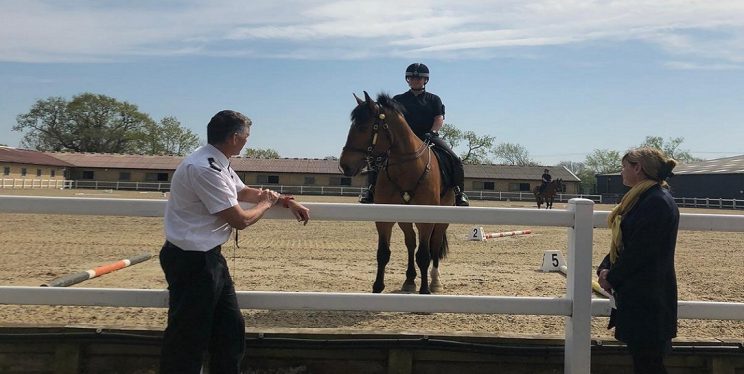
(458, 170)
(648, 358)
(203, 313)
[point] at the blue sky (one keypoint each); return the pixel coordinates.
(561, 78)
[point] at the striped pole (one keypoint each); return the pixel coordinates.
(71, 279)
(507, 233)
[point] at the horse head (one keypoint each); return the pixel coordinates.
(364, 145)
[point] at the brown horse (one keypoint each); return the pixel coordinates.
(408, 174)
(548, 195)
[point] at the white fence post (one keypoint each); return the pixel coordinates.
(577, 356)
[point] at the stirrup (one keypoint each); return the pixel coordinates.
(367, 197)
(461, 199)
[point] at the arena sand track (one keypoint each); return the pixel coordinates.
(339, 257)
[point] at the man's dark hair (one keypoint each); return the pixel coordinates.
(224, 124)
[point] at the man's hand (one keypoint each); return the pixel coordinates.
(268, 196)
(300, 212)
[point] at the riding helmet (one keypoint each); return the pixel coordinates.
(417, 70)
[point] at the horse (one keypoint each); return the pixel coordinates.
(409, 173)
(547, 196)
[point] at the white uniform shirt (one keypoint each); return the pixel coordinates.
(202, 185)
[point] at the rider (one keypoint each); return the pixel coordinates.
(546, 178)
(424, 113)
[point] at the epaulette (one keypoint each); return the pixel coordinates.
(213, 164)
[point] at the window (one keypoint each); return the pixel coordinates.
(24, 172)
(340, 181)
(309, 180)
(125, 176)
(267, 179)
(38, 172)
(52, 173)
(156, 177)
(488, 186)
(88, 174)
(519, 187)
(6, 170)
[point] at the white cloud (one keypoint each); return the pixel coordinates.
(41, 31)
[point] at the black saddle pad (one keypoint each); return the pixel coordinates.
(446, 168)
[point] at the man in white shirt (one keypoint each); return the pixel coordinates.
(202, 210)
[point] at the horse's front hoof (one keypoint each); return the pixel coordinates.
(409, 287)
(378, 288)
(425, 291)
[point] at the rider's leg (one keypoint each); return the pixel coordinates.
(459, 173)
(367, 197)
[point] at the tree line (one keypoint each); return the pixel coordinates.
(101, 124)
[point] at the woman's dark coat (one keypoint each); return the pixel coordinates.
(643, 277)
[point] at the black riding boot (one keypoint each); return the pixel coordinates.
(460, 198)
(368, 196)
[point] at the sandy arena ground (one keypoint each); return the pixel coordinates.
(339, 257)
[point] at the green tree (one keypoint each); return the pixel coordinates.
(513, 154)
(167, 137)
(670, 148)
(599, 161)
(478, 148)
(87, 123)
(260, 153)
(451, 135)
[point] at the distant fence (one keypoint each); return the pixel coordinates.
(23, 183)
(704, 202)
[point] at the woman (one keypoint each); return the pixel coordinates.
(639, 270)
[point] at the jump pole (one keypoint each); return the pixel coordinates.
(595, 285)
(71, 279)
(478, 234)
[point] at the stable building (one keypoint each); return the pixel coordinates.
(721, 178)
(23, 168)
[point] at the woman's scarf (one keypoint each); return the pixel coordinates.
(626, 204)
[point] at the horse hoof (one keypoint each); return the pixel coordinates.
(436, 288)
(409, 287)
(424, 292)
(377, 289)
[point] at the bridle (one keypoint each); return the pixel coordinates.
(382, 160)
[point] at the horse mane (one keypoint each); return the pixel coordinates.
(360, 114)
(388, 103)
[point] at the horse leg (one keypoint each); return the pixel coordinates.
(437, 242)
(423, 254)
(384, 231)
(410, 237)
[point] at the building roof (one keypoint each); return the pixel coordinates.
(518, 172)
(27, 156)
(118, 161)
(286, 165)
(727, 165)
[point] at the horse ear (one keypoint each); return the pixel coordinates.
(358, 100)
(370, 103)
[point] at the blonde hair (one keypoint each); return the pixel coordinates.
(654, 163)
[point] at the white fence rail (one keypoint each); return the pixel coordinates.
(22, 183)
(576, 305)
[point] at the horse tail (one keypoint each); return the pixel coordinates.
(444, 247)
